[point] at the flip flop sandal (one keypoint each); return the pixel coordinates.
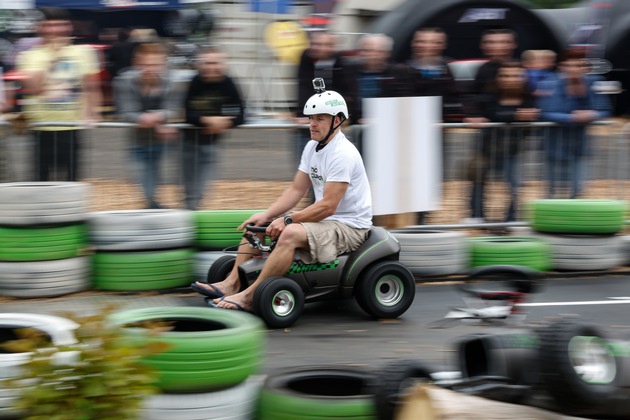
(214, 293)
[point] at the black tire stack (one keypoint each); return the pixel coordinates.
(43, 239)
(582, 233)
(140, 250)
(209, 369)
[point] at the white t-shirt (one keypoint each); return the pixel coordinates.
(340, 161)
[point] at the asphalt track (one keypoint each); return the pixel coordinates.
(339, 332)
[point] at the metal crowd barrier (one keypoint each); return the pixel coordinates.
(261, 155)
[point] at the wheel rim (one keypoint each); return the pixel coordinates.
(591, 360)
(283, 303)
(389, 290)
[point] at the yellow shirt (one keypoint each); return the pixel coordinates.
(62, 98)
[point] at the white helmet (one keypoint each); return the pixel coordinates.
(327, 102)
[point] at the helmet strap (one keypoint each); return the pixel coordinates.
(324, 142)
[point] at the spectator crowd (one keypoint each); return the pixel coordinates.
(61, 79)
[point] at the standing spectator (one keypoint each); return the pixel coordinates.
(540, 65)
(569, 100)
(213, 103)
(510, 102)
(498, 45)
(120, 54)
(147, 96)
(63, 83)
(371, 76)
(432, 76)
(319, 60)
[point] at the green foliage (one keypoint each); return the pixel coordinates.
(553, 4)
(101, 377)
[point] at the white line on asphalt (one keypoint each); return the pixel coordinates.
(588, 302)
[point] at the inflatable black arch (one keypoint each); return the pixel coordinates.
(464, 21)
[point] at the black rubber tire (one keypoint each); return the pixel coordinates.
(317, 393)
(574, 393)
(279, 301)
(209, 349)
(220, 269)
(394, 378)
(385, 289)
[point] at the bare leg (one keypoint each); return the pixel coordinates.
(279, 261)
(232, 284)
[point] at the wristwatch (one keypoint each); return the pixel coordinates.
(288, 220)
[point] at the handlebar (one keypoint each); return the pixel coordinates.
(257, 229)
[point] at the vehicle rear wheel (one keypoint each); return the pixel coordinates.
(279, 301)
(385, 289)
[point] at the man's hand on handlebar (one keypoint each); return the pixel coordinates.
(258, 219)
(275, 228)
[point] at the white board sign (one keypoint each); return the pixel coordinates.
(402, 151)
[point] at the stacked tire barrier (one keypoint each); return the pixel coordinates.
(209, 369)
(582, 234)
(43, 239)
(142, 249)
(432, 252)
(510, 250)
(217, 229)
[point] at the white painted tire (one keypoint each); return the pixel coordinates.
(38, 203)
(44, 278)
(584, 252)
(61, 333)
(237, 403)
(432, 252)
(133, 230)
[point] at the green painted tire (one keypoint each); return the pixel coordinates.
(21, 244)
(510, 250)
(209, 349)
(136, 271)
(317, 393)
(217, 229)
(577, 216)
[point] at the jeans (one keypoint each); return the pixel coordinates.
(199, 163)
(561, 172)
(55, 151)
(147, 161)
(510, 172)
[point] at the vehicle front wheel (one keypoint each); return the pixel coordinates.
(385, 289)
(279, 301)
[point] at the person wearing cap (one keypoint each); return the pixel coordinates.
(336, 223)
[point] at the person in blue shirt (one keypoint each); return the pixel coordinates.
(569, 100)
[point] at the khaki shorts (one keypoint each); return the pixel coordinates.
(327, 239)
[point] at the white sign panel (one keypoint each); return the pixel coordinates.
(402, 150)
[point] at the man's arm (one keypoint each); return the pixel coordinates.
(287, 200)
(327, 206)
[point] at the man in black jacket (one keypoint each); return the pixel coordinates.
(213, 105)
